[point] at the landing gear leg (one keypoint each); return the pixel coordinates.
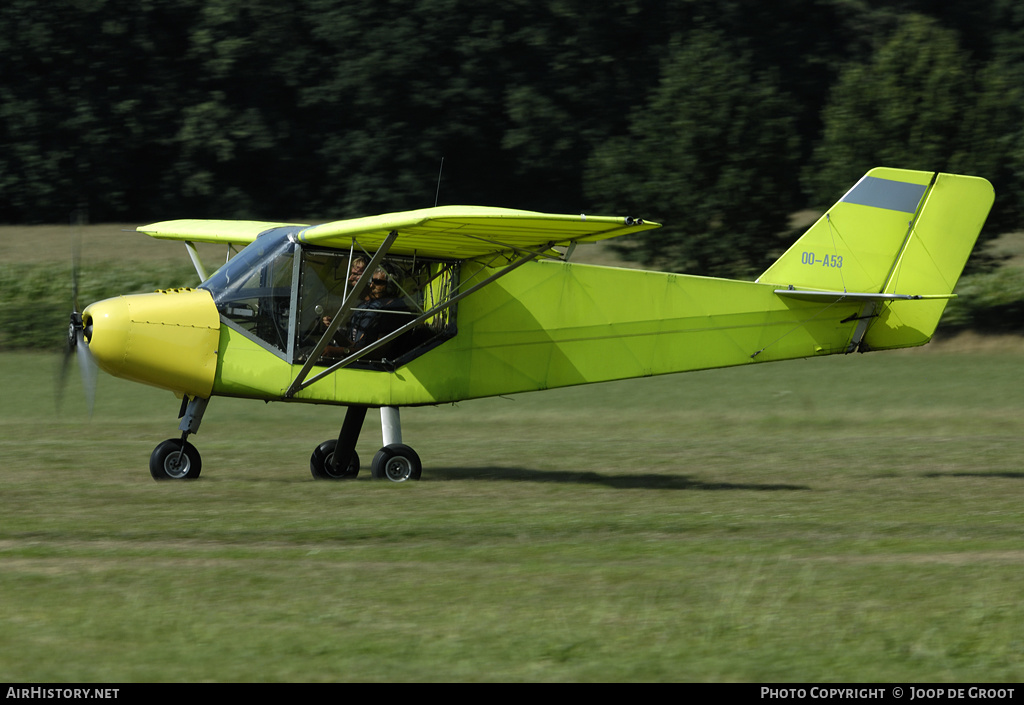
(177, 459)
(337, 459)
(395, 462)
(391, 424)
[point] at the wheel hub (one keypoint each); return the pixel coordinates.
(177, 465)
(398, 469)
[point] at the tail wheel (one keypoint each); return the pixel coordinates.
(175, 459)
(321, 463)
(397, 463)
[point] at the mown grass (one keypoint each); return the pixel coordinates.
(844, 519)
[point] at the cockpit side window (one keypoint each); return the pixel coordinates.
(284, 296)
(326, 279)
(388, 320)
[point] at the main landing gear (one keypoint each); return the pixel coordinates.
(334, 459)
(337, 459)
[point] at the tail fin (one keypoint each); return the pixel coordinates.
(903, 236)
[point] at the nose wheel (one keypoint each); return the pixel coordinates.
(175, 459)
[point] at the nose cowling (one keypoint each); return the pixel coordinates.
(168, 339)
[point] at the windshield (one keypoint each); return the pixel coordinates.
(254, 289)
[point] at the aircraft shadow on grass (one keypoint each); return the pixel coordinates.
(1006, 475)
(649, 481)
(621, 482)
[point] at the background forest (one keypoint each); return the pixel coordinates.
(720, 118)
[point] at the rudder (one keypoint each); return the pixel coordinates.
(930, 263)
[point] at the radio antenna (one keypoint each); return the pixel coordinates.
(438, 192)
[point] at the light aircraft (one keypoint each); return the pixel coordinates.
(483, 301)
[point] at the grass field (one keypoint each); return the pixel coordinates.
(843, 519)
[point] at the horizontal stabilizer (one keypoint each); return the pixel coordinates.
(861, 296)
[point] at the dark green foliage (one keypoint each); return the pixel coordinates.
(713, 154)
(905, 108)
(700, 113)
(990, 303)
(922, 102)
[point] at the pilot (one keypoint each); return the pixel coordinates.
(371, 320)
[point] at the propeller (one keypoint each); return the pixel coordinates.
(78, 335)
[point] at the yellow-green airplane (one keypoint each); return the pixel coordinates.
(457, 302)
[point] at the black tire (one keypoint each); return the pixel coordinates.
(320, 463)
(397, 463)
(170, 462)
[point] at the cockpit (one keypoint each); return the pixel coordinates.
(299, 301)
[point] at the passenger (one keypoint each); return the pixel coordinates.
(358, 267)
(356, 271)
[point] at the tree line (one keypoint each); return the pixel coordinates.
(719, 118)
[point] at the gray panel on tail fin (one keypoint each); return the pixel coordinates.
(885, 193)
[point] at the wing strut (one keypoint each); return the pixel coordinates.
(196, 262)
(342, 316)
(301, 383)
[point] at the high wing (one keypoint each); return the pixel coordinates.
(450, 232)
(232, 232)
(465, 232)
